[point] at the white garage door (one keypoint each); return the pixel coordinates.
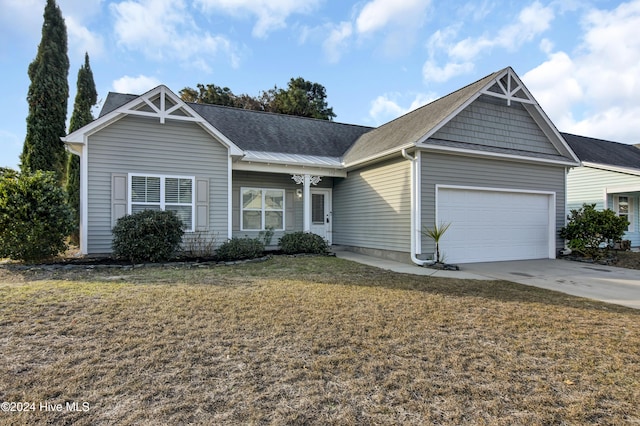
(492, 226)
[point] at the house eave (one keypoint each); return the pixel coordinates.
(608, 167)
(499, 155)
(378, 157)
(289, 164)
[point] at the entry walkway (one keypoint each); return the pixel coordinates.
(605, 283)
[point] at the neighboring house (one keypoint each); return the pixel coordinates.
(485, 158)
(609, 178)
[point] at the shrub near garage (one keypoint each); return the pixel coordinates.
(303, 242)
(35, 219)
(147, 236)
(589, 228)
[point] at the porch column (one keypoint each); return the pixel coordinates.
(306, 202)
(306, 180)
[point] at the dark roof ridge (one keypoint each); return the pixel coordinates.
(278, 114)
(602, 151)
(596, 139)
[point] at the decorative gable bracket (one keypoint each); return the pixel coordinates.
(510, 87)
(161, 103)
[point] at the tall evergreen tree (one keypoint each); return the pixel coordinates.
(86, 98)
(47, 97)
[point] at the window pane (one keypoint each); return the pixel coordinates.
(274, 200)
(138, 189)
(317, 208)
(252, 199)
(171, 190)
(251, 220)
(153, 190)
(273, 219)
(184, 213)
(186, 190)
(145, 189)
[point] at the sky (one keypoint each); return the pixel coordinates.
(377, 59)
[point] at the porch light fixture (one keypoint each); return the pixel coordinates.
(299, 193)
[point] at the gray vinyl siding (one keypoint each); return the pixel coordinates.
(489, 121)
(587, 185)
(143, 145)
(372, 207)
(444, 169)
(293, 221)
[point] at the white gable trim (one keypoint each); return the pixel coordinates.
(169, 106)
(513, 87)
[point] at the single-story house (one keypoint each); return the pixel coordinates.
(485, 158)
(609, 178)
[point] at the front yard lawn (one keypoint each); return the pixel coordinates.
(310, 340)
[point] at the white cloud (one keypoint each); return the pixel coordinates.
(555, 87)
(26, 17)
(337, 42)
(135, 85)
(594, 91)
(271, 14)
(431, 72)
(164, 30)
(82, 40)
(387, 107)
(532, 21)
(378, 14)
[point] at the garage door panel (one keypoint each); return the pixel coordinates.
(492, 226)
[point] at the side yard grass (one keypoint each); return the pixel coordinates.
(310, 340)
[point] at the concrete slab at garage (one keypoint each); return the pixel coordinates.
(605, 283)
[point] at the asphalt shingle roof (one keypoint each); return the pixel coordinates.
(268, 132)
(603, 152)
(411, 127)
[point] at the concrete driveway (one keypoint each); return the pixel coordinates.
(606, 283)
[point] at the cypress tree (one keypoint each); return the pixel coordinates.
(47, 97)
(86, 98)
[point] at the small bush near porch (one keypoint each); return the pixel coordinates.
(312, 340)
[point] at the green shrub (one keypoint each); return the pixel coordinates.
(240, 248)
(147, 236)
(35, 219)
(303, 242)
(589, 228)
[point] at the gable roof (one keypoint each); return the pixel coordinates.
(276, 138)
(259, 131)
(158, 103)
(604, 152)
(411, 127)
(416, 127)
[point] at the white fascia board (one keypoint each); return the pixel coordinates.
(79, 136)
(618, 169)
(488, 154)
(393, 151)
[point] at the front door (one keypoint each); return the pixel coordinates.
(321, 213)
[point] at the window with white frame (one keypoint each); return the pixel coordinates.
(262, 208)
(157, 192)
(623, 209)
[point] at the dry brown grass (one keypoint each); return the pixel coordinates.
(311, 341)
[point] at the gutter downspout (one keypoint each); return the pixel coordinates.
(415, 207)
